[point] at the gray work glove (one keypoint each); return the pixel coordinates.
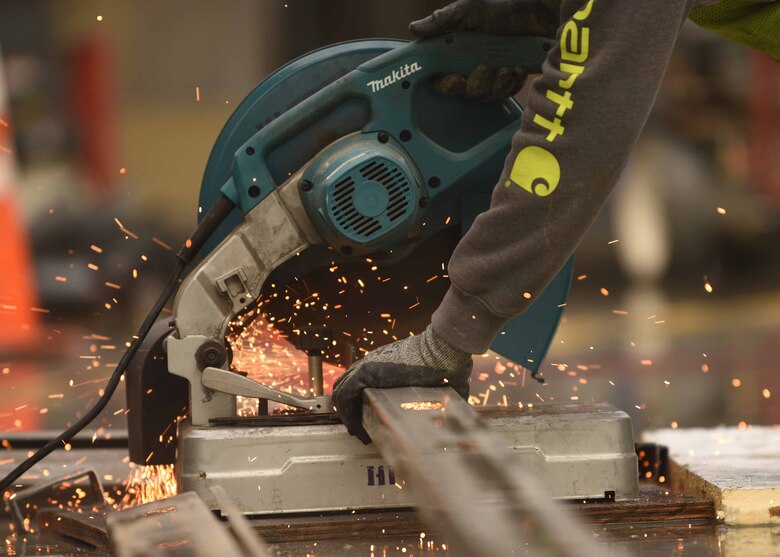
(500, 17)
(425, 360)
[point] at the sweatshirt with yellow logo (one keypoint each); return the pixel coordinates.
(584, 115)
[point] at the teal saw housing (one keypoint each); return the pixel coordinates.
(388, 163)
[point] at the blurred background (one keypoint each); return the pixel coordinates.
(108, 111)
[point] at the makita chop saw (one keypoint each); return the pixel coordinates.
(344, 155)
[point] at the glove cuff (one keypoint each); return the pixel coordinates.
(465, 322)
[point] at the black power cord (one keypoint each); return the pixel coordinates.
(186, 254)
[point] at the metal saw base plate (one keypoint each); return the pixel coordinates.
(580, 451)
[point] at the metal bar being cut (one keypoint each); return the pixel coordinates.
(466, 483)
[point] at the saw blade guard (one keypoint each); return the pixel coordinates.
(449, 150)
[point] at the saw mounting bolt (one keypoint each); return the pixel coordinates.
(306, 185)
(210, 354)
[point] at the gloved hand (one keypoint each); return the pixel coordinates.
(500, 17)
(425, 360)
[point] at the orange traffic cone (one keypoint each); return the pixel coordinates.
(19, 318)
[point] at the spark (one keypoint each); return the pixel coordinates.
(99, 18)
(736, 382)
(123, 229)
(60, 279)
(197, 94)
(146, 484)
(612, 242)
(96, 249)
(422, 405)
(707, 285)
(604, 292)
(721, 211)
(674, 425)
(766, 393)
(646, 362)
(123, 170)
(619, 312)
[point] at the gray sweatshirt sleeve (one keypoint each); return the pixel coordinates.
(583, 117)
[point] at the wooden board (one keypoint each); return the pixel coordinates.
(735, 468)
(654, 506)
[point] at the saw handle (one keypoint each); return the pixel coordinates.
(387, 84)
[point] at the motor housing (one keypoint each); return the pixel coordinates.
(364, 194)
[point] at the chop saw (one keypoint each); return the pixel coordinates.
(346, 159)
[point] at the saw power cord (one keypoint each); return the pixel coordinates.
(186, 254)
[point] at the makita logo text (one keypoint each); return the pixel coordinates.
(404, 71)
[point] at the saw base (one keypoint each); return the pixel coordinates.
(580, 451)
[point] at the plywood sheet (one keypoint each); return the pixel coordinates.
(738, 469)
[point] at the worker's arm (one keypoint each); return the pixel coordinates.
(583, 116)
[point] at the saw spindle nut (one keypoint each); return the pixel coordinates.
(210, 354)
(306, 185)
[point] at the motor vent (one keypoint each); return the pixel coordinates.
(365, 194)
(395, 182)
(383, 194)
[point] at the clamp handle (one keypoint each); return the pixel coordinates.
(234, 384)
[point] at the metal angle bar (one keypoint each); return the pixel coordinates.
(24, 504)
(179, 526)
(466, 483)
